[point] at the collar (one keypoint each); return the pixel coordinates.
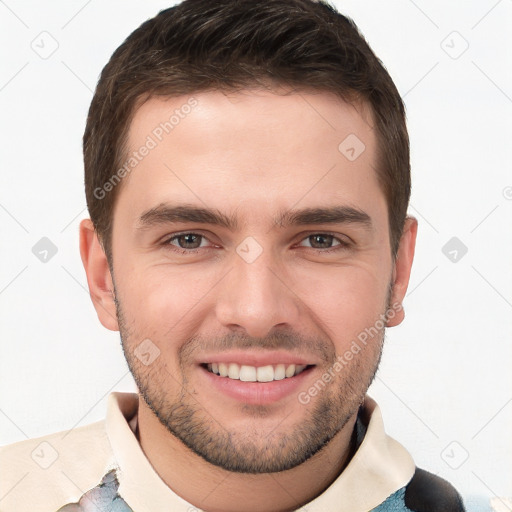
(379, 467)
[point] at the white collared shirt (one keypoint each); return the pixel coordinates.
(44, 474)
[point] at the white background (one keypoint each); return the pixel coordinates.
(445, 381)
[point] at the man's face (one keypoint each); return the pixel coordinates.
(266, 289)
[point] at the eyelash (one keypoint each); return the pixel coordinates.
(342, 243)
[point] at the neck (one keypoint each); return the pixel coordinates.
(216, 490)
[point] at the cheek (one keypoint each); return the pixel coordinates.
(346, 301)
(159, 303)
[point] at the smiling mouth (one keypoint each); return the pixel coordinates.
(246, 373)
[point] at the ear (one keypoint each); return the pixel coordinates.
(99, 279)
(402, 270)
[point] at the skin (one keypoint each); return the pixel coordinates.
(251, 155)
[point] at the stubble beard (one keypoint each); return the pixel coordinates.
(250, 451)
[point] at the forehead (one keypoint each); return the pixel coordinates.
(260, 148)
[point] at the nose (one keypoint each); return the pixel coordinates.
(257, 296)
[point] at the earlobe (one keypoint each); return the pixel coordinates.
(99, 279)
(402, 271)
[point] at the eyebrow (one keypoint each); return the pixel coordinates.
(165, 214)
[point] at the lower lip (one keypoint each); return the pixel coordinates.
(258, 393)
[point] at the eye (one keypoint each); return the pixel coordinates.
(324, 242)
(185, 241)
(190, 242)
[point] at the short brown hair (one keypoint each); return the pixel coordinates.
(201, 45)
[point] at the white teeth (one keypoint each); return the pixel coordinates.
(234, 371)
(279, 372)
(265, 373)
(290, 370)
(223, 369)
(299, 368)
(248, 373)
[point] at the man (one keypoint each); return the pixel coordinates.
(247, 177)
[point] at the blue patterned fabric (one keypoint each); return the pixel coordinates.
(424, 493)
(395, 503)
(102, 498)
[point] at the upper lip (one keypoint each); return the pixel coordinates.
(256, 358)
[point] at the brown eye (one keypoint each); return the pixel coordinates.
(187, 240)
(321, 241)
(325, 243)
